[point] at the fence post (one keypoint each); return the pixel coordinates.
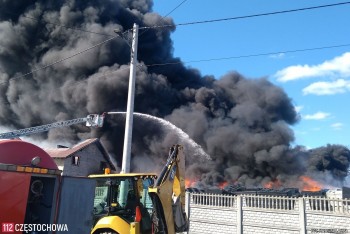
(187, 207)
(302, 215)
(239, 215)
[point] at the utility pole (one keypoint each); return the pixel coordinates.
(130, 105)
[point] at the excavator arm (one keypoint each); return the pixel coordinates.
(168, 195)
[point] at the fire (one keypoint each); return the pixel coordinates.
(190, 182)
(223, 184)
(305, 183)
(273, 184)
(309, 184)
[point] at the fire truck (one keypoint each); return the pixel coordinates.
(32, 190)
(29, 183)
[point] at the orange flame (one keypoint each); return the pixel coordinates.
(223, 184)
(273, 184)
(190, 182)
(309, 184)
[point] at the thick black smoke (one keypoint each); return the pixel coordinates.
(243, 124)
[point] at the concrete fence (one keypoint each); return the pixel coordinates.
(216, 213)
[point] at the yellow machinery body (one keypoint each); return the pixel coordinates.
(158, 200)
(114, 223)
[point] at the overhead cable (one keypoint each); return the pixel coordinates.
(248, 55)
(248, 16)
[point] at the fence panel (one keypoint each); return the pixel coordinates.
(265, 214)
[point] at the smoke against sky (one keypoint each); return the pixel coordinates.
(243, 124)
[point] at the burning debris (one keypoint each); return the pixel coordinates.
(286, 192)
(243, 124)
(309, 184)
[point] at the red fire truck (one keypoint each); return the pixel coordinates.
(28, 184)
(32, 191)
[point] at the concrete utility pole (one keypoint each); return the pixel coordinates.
(130, 105)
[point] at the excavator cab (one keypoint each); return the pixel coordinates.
(122, 202)
(142, 203)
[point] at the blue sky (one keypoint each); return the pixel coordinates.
(318, 82)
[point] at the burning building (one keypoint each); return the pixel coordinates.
(243, 124)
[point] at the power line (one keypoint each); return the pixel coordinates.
(212, 59)
(140, 66)
(83, 51)
(155, 26)
(192, 23)
(194, 61)
(195, 22)
(249, 55)
(174, 8)
(249, 16)
(84, 30)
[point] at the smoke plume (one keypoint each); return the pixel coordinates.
(243, 124)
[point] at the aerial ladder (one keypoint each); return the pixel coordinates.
(92, 120)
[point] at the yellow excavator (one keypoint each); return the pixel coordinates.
(142, 203)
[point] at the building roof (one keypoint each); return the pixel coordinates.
(67, 152)
(62, 153)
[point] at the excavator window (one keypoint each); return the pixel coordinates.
(114, 196)
(146, 206)
(119, 196)
(131, 201)
(145, 199)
